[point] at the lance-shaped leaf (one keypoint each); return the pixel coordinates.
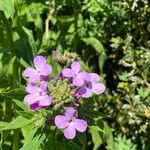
(19, 122)
(98, 46)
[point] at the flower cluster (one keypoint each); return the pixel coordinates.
(37, 86)
(70, 85)
(86, 83)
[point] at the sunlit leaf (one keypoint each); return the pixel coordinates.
(7, 6)
(96, 138)
(18, 122)
(95, 43)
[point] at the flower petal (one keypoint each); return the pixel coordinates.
(29, 72)
(94, 77)
(98, 88)
(45, 100)
(61, 122)
(70, 113)
(35, 78)
(84, 92)
(81, 90)
(70, 131)
(31, 88)
(39, 62)
(75, 66)
(30, 99)
(80, 125)
(77, 81)
(43, 86)
(68, 73)
(46, 70)
(87, 94)
(80, 79)
(84, 75)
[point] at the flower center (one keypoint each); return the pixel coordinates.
(88, 85)
(61, 92)
(71, 120)
(34, 106)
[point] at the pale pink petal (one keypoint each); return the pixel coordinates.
(77, 81)
(70, 113)
(87, 94)
(98, 88)
(94, 77)
(45, 100)
(75, 66)
(34, 78)
(39, 62)
(80, 78)
(84, 75)
(61, 122)
(68, 73)
(31, 88)
(30, 99)
(80, 125)
(46, 70)
(43, 86)
(29, 72)
(70, 131)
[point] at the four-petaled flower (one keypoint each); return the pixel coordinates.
(41, 70)
(37, 96)
(70, 124)
(90, 86)
(75, 74)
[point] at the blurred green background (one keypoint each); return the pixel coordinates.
(112, 37)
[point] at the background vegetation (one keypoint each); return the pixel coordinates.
(111, 37)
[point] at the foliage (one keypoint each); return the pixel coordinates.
(122, 143)
(111, 38)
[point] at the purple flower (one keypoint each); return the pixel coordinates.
(37, 96)
(70, 124)
(75, 74)
(41, 70)
(91, 86)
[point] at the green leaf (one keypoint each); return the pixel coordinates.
(96, 138)
(12, 93)
(2, 90)
(2, 124)
(19, 122)
(23, 106)
(32, 144)
(25, 43)
(96, 128)
(11, 65)
(65, 18)
(95, 43)
(101, 61)
(109, 137)
(7, 6)
(24, 63)
(34, 140)
(30, 39)
(122, 143)
(98, 46)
